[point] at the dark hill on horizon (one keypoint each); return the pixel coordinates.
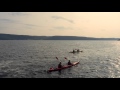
(28, 37)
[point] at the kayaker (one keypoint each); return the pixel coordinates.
(59, 65)
(73, 51)
(69, 63)
(78, 50)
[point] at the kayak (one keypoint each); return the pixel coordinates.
(75, 52)
(64, 67)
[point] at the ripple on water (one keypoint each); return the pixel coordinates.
(31, 58)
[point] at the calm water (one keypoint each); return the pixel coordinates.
(31, 58)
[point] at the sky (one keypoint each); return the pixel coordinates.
(88, 24)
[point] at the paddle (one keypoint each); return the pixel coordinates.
(65, 58)
(52, 67)
(57, 59)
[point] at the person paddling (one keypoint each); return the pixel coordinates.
(59, 65)
(78, 50)
(73, 51)
(69, 63)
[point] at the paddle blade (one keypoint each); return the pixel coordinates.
(57, 58)
(65, 58)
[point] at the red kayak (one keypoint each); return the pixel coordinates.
(64, 67)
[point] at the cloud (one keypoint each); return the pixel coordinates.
(6, 23)
(29, 26)
(8, 20)
(32, 25)
(18, 13)
(17, 22)
(63, 28)
(58, 17)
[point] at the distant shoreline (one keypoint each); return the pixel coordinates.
(28, 37)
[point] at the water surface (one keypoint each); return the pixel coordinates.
(31, 58)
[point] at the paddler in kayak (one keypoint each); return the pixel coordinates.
(59, 65)
(78, 50)
(69, 63)
(73, 51)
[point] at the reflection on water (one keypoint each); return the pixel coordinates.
(32, 59)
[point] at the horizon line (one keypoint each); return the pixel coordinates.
(59, 35)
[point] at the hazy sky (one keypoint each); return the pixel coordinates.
(89, 24)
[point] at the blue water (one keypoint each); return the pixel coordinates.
(32, 58)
